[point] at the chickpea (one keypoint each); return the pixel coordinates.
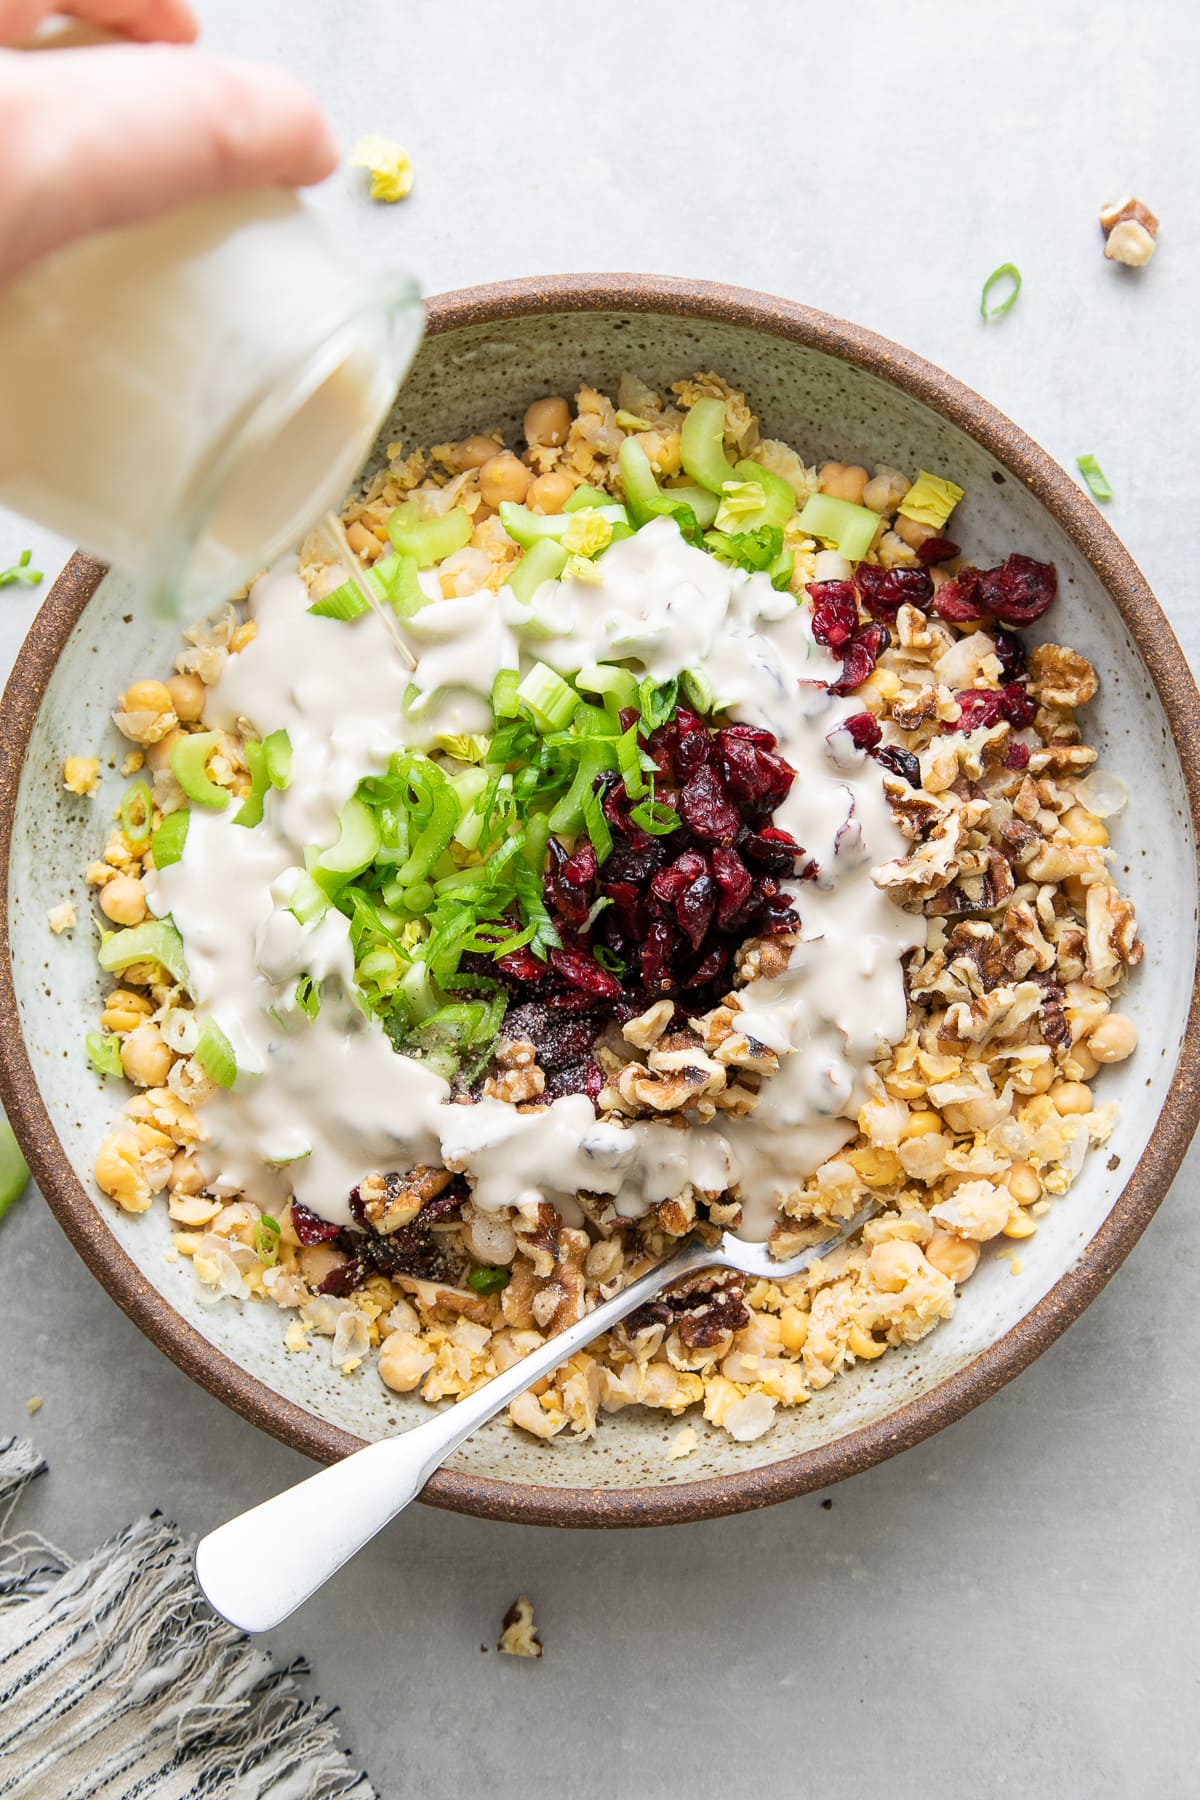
(1113, 1039)
(1041, 1078)
(145, 1059)
(147, 696)
(187, 1177)
(1071, 1097)
(845, 481)
(662, 448)
(316, 1261)
(1084, 1064)
(362, 541)
(158, 756)
(793, 1328)
(895, 1263)
(473, 452)
(123, 900)
(187, 697)
(1084, 827)
(548, 421)
(922, 1124)
(1023, 1184)
(885, 490)
(550, 493)
(952, 1256)
(913, 532)
(504, 478)
(403, 1360)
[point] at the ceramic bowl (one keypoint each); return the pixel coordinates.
(831, 390)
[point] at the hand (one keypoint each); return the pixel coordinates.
(108, 135)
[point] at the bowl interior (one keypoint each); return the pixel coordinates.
(470, 378)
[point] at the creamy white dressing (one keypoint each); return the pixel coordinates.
(318, 1105)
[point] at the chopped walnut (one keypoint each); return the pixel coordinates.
(519, 1636)
(393, 1201)
(516, 1085)
(1130, 230)
(1061, 677)
(649, 1026)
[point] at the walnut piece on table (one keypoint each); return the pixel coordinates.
(518, 1636)
(1130, 230)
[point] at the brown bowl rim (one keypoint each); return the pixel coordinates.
(917, 1419)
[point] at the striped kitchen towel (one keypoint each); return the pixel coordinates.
(118, 1680)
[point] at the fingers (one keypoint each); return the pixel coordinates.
(147, 21)
(107, 137)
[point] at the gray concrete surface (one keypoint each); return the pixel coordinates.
(1009, 1609)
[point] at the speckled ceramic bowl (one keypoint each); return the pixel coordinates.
(832, 390)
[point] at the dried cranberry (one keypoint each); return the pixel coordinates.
(979, 707)
(1010, 653)
(713, 967)
(884, 591)
(706, 808)
(771, 849)
(865, 730)
(559, 1037)
(566, 901)
(1017, 755)
(617, 805)
(754, 734)
(734, 884)
(669, 884)
(862, 653)
(656, 957)
(522, 965)
(346, 1277)
(779, 917)
(628, 906)
(936, 550)
(900, 762)
(1020, 708)
(309, 1228)
(582, 1077)
(695, 908)
(690, 753)
(579, 870)
(584, 972)
(958, 600)
(1020, 590)
(756, 778)
(835, 612)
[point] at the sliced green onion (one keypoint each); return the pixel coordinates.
(655, 817)
(488, 1280)
(189, 759)
(1006, 272)
(548, 697)
(702, 445)
(699, 689)
(104, 1053)
(597, 826)
(469, 787)
(658, 700)
(214, 1053)
(433, 838)
(782, 570)
(544, 562)
(155, 941)
(308, 996)
(851, 528)
(429, 541)
(14, 1170)
(137, 813)
(1095, 477)
(630, 764)
(21, 572)
(537, 836)
(616, 686)
(309, 902)
(166, 846)
(749, 550)
(266, 1240)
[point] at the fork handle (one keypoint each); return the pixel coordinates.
(258, 1568)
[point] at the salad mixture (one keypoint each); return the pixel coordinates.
(680, 839)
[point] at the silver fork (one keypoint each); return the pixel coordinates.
(261, 1566)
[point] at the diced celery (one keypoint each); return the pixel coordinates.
(277, 748)
(778, 495)
(155, 941)
(468, 786)
(548, 697)
(587, 496)
(429, 541)
(702, 445)
(851, 528)
(529, 528)
(544, 562)
(214, 1053)
(166, 846)
(637, 479)
(358, 840)
(618, 686)
(702, 503)
(189, 760)
(505, 703)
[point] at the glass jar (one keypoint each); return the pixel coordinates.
(185, 397)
